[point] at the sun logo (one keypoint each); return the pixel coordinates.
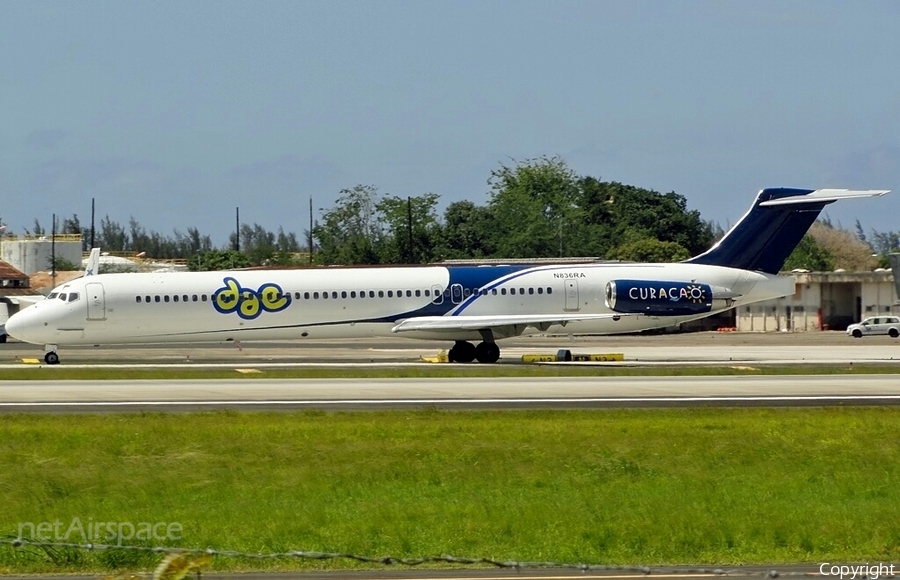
(695, 293)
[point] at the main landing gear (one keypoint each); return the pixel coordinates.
(465, 352)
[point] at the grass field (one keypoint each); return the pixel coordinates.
(438, 370)
(713, 486)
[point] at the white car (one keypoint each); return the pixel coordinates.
(889, 325)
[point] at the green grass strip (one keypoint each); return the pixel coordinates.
(451, 371)
(691, 486)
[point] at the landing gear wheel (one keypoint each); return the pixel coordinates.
(893, 333)
(51, 358)
(487, 352)
(857, 333)
(462, 351)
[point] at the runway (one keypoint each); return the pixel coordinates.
(449, 393)
(696, 349)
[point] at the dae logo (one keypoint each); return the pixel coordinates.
(248, 303)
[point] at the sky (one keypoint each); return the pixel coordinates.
(177, 112)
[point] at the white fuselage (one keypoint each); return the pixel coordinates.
(354, 302)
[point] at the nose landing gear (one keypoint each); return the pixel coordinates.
(50, 356)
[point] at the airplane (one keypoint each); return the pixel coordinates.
(461, 304)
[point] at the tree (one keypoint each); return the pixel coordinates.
(809, 255)
(467, 231)
(350, 231)
(650, 250)
(216, 259)
(398, 216)
(60, 264)
(847, 251)
(536, 211)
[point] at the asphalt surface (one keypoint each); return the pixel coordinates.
(452, 393)
(709, 348)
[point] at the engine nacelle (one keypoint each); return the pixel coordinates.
(660, 298)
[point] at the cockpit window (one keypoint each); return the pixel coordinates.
(62, 296)
(73, 296)
(52, 295)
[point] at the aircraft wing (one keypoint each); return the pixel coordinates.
(500, 322)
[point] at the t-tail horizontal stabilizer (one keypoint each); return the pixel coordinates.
(767, 234)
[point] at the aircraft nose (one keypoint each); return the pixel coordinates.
(24, 326)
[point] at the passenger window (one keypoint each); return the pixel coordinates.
(381, 293)
(427, 293)
(194, 297)
(306, 295)
(315, 295)
(203, 297)
(353, 294)
(147, 299)
(418, 293)
(390, 293)
(175, 298)
(184, 298)
(540, 290)
(156, 298)
(325, 295)
(371, 294)
(467, 292)
(522, 291)
(531, 290)
(344, 294)
(503, 291)
(399, 293)
(549, 290)
(166, 298)
(408, 293)
(137, 298)
(494, 291)
(334, 295)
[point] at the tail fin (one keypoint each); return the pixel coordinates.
(767, 234)
(93, 263)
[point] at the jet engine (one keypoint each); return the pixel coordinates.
(660, 298)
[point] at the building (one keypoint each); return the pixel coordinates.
(823, 301)
(30, 254)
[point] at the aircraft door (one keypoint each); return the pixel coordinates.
(96, 301)
(572, 300)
